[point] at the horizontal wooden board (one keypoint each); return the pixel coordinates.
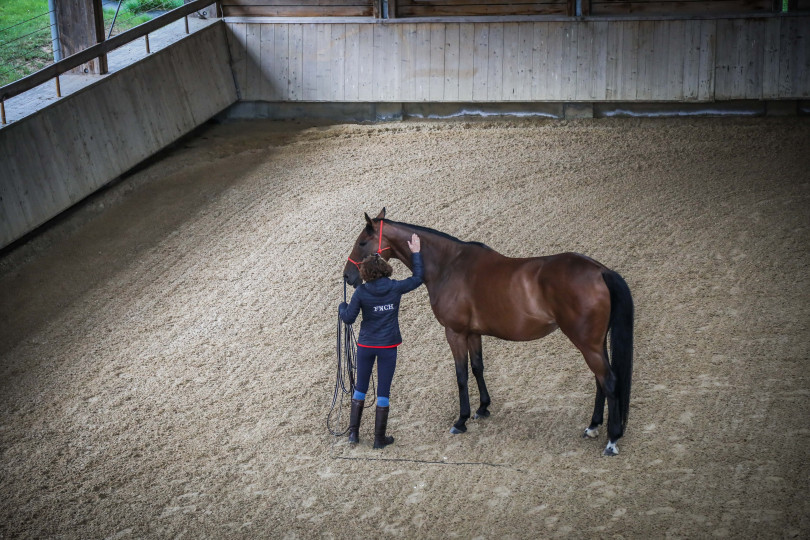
(680, 7)
(488, 9)
(298, 11)
(437, 8)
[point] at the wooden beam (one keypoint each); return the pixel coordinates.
(44, 75)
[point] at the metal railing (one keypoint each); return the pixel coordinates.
(98, 51)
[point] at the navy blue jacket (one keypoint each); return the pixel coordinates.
(379, 301)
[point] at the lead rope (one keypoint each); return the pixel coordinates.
(346, 351)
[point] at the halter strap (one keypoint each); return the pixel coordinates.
(380, 249)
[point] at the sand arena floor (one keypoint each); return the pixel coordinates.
(167, 350)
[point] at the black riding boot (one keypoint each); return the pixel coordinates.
(354, 420)
(380, 424)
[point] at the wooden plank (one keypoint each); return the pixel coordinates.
(338, 62)
(754, 64)
(599, 68)
(480, 61)
(677, 51)
(466, 62)
(495, 63)
(525, 42)
(280, 76)
(267, 45)
(298, 11)
(323, 64)
(392, 64)
(568, 65)
(583, 84)
(252, 62)
(378, 66)
(351, 70)
(237, 39)
(296, 53)
(658, 68)
(613, 62)
(422, 64)
(408, 57)
(366, 63)
(691, 59)
(435, 9)
(708, 32)
(796, 77)
(770, 60)
(511, 61)
(437, 45)
(452, 56)
(646, 60)
(681, 7)
(309, 59)
(726, 59)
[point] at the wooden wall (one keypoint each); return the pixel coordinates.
(440, 8)
(626, 60)
(678, 7)
(443, 8)
(63, 153)
(297, 8)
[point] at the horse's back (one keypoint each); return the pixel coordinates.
(523, 299)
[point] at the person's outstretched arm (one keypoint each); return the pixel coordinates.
(415, 280)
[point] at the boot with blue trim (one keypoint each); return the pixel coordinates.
(354, 420)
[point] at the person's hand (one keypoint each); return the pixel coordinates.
(415, 244)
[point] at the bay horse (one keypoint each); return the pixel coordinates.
(476, 291)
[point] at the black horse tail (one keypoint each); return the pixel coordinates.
(621, 339)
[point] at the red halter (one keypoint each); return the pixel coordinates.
(380, 249)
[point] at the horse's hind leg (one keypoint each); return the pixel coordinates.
(458, 345)
(477, 362)
(592, 431)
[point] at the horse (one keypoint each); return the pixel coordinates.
(476, 291)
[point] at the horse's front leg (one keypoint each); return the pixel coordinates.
(458, 346)
(477, 363)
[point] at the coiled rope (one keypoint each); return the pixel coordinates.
(346, 351)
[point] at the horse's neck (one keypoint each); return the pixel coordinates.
(437, 251)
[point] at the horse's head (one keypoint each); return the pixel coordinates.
(367, 243)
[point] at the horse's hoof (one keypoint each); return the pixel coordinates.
(456, 431)
(590, 433)
(481, 414)
(611, 450)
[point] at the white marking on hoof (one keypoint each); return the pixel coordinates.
(590, 433)
(455, 431)
(611, 449)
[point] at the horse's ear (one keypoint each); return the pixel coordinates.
(369, 223)
(382, 214)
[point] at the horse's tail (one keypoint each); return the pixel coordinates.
(621, 339)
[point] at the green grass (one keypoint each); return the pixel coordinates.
(141, 6)
(124, 22)
(25, 44)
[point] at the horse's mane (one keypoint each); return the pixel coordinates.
(437, 233)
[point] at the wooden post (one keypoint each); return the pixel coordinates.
(186, 19)
(81, 25)
(3, 111)
(392, 9)
(147, 44)
(58, 87)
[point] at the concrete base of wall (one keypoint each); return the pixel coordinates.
(386, 112)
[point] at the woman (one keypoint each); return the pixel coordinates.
(379, 337)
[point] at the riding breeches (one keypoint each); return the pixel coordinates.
(386, 364)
